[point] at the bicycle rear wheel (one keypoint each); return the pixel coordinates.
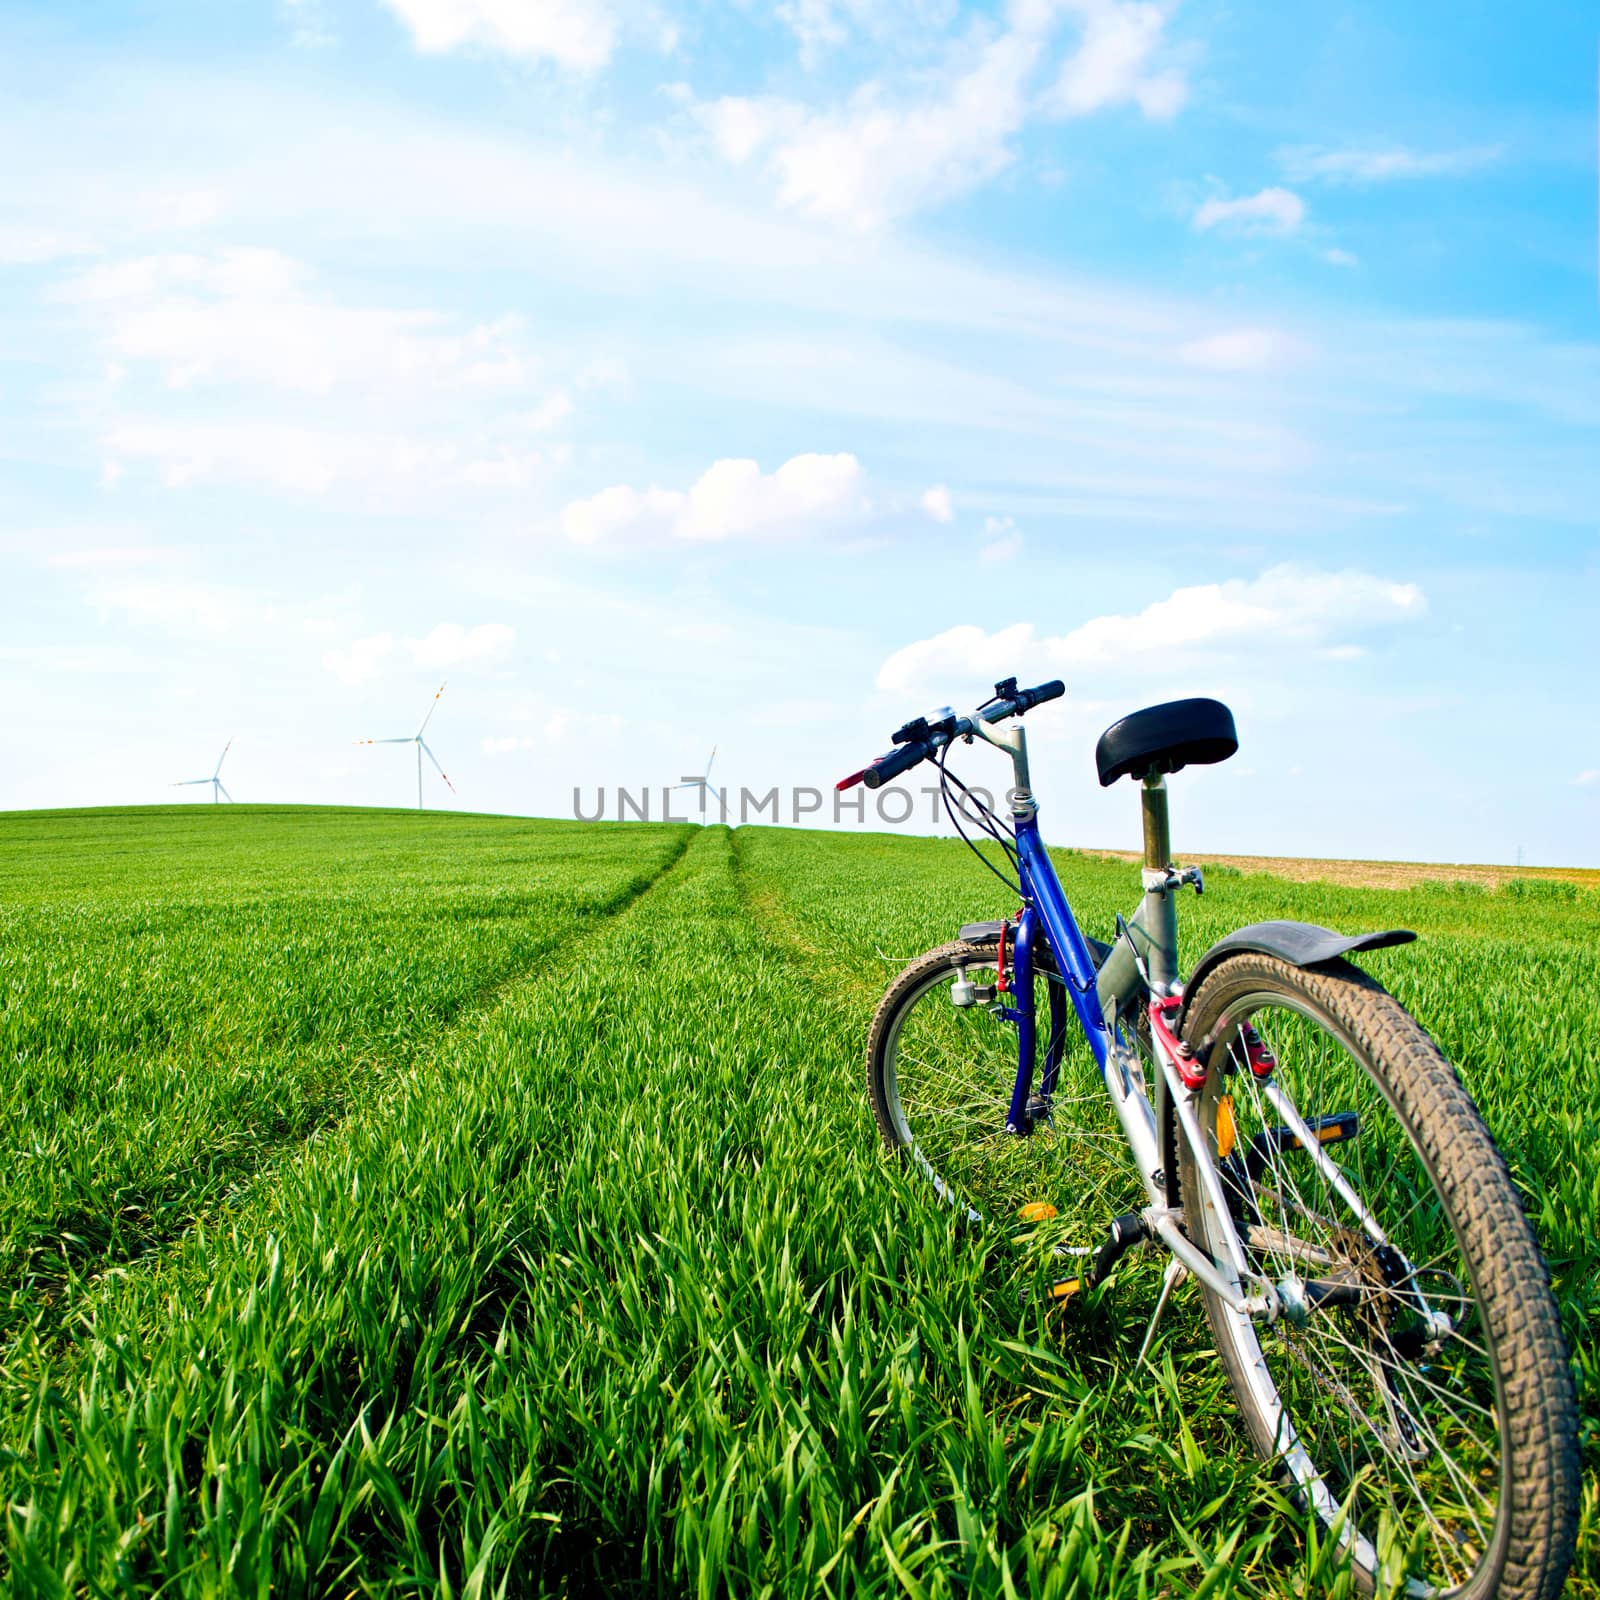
(940, 1079)
(1442, 1454)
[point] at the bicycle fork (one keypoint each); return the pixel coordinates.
(1027, 1107)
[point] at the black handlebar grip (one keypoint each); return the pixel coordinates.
(901, 759)
(1029, 698)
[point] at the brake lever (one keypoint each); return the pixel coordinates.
(1005, 690)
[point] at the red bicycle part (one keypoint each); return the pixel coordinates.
(1191, 1069)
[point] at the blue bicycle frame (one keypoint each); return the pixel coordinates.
(1045, 902)
(1143, 960)
(1137, 976)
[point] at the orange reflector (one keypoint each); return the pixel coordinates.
(1037, 1211)
(1065, 1289)
(1227, 1128)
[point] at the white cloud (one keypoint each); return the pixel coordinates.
(254, 321)
(1310, 163)
(310, 460)
(28, 247)
(551, 410)
(185, 607)
(731, 499)
(1238, 350)
(309, 27)
(1286, 611)
(872, 160)
(507, 743)
(620, 510)
(360, 661)
(816, 24)
(289, 458)
(1341, 258)
(117, 555)
(823, 25)
(741, 126)
(252, 316)
(577, 34)
(964, 651)
(1588, 779)
(1001, 541)
(1271, 210)
(939, 505)
(188, 208)
(451, 645)
(1111, 64)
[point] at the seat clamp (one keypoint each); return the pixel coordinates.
(1164, 880)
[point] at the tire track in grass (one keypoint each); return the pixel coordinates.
(612, 1297)
(45, 1281)
(222, 1292)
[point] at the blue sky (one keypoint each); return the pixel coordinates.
(673, 374)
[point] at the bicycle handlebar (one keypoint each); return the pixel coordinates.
(901, 759)
(1010, 701)
(915, 742)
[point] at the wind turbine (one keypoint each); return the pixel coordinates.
(217, 791)
(702, 782)
(416, 739)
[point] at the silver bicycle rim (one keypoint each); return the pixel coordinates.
(1077, 1112)
(1253, 1358)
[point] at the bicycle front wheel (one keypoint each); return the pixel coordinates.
(940, 1078)
(1415, 1389)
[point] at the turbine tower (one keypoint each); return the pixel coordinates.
(215, 780)
(702, 782)
(417, 740)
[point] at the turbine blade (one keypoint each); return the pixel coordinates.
(223, 757)
(224, 788)
(437, 768)
(431, 709)
(716, 792)
(709, 759)
(188, 783)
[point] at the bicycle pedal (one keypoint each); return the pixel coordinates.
(1056, 1295)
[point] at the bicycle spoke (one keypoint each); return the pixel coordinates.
(953, 1073)
(1424, 1448)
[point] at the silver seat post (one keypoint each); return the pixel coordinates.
(1160, 916)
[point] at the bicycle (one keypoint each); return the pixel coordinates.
(1309, 1158)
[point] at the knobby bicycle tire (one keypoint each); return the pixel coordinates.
(1526, 1554)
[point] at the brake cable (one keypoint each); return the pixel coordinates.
(986, 820)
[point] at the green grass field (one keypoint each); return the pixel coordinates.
(403, 1203)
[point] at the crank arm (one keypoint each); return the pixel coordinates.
(1165, 1226)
